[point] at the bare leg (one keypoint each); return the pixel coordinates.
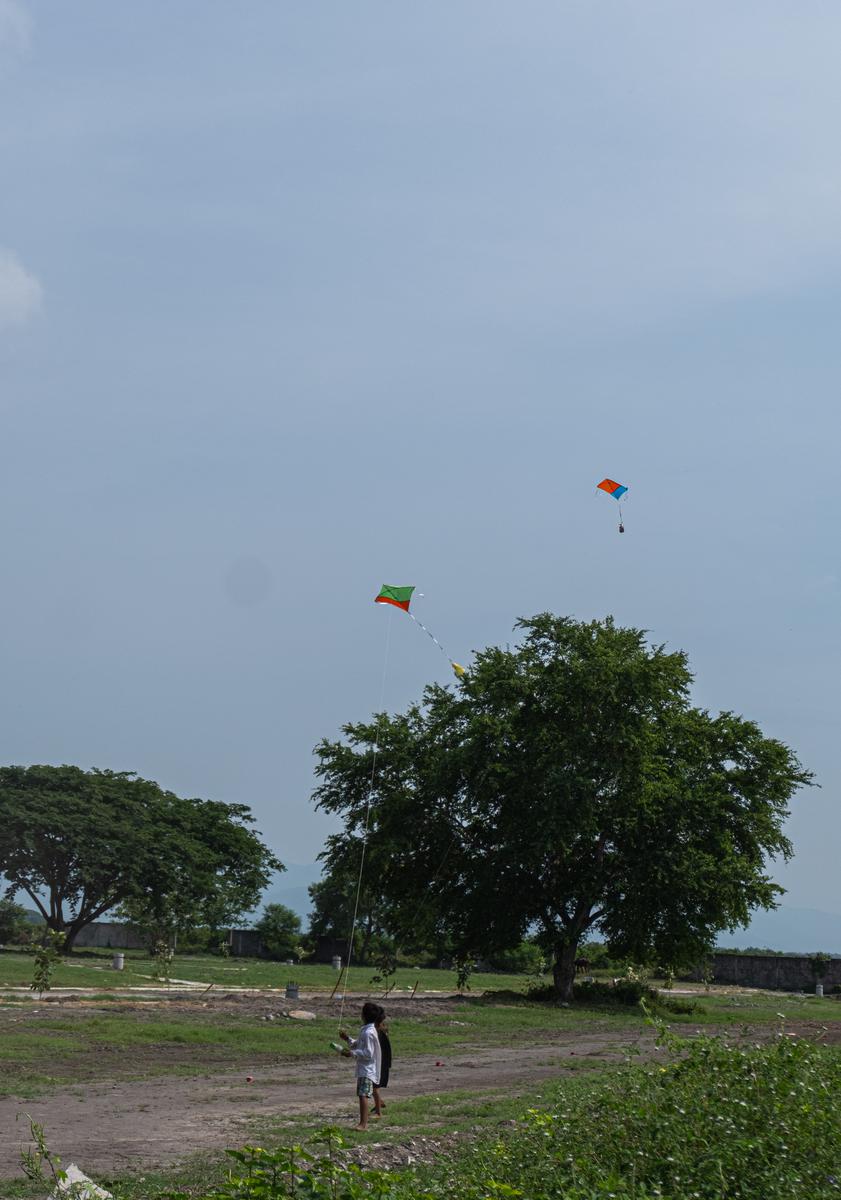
(363, 1114)
(378, 1104)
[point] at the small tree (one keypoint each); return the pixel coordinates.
(47, 956)
(280, 930)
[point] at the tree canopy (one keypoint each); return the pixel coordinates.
(566, 785)
(280, 929)
(80, 843)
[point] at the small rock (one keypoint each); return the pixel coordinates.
(301, 1014)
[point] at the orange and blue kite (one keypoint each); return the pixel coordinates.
(617, 491)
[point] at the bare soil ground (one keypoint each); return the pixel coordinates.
(111, 1124)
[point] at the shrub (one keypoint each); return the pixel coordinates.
(624, 991)
(718, 1120)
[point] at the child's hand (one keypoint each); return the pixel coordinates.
(346, 1054)
(343, 1036)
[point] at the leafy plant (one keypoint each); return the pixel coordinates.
(46, 959)
(163, 956)
(293, 1171)
(716, 1120)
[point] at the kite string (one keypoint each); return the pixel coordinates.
(346, 987)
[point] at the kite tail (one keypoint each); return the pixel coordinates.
(457, 668)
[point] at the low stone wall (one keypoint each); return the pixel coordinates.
(779, 972)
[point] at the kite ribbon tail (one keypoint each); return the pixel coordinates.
(431, 636)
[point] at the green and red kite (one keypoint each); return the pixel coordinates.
(400, 597)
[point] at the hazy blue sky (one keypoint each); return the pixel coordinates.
(300, 298)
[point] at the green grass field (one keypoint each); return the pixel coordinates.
(92, 968)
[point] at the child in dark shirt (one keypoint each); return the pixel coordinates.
(385, 1063)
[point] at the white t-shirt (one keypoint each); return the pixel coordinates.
(366, 1050)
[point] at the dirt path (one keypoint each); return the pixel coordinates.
(131, 1125)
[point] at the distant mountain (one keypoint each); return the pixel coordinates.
(795, 930)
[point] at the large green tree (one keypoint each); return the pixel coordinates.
(80, 843)
(566, 785)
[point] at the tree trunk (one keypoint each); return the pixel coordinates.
(71, 930)
(563, 972)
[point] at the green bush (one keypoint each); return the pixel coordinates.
(718, 1120)
(294, 1171)
(624, 991)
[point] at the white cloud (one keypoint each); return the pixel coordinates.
(20, 291)
(15, 25)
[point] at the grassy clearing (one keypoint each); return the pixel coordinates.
(91, 968)
(48, 1046)
(45, 1048)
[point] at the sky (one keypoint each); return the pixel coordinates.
(300, 299)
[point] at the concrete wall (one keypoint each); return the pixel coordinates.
(110, 935)
(784, 972)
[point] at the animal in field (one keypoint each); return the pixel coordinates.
(582, 965)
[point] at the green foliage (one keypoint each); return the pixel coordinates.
(163, 955)
(565, 784)
(294, 1171)
(13, 922)
(718, 1120)
(35, 1158)
(47, 957)
(599, 957)
(93, 840)
(280, 929)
